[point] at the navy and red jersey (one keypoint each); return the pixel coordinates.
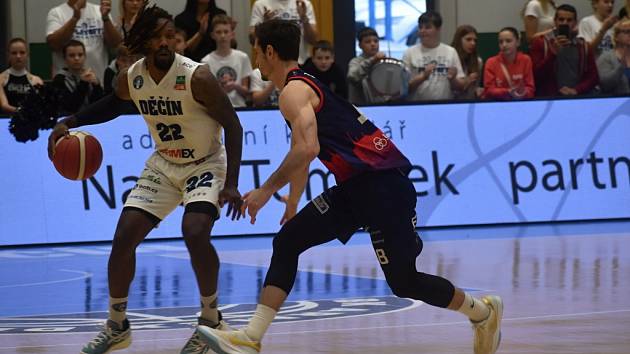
(349, 143)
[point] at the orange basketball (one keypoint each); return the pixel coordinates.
(78, 156)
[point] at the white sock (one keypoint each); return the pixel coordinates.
(259, 323)
(209, 308)
(475, 309)
(118, 309)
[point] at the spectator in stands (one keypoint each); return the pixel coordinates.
(563, 63)
(180, 38)
(597, 28)
(78, 84)
(322, 65)
(465, 43)
(614, 65)
(128, 11)
(359, 68)
(232, 67)
(195, 21)
(263, 93)
(538, 17)
(85, 22)
(625, 10)
(297, 10)
(435, 67)
(508, 75)
(123, 60)
(16, 82)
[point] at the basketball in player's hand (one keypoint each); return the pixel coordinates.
(77, 155)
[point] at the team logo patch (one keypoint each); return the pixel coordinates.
(321, 204)
(180, 83)
(138, 81)
(184, 317)
(380, 143)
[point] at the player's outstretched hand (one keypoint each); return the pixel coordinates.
(58, 131)
(253, 201)
(232, 197)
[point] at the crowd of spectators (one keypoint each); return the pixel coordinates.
(566, 55)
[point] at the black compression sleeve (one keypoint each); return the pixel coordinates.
(104, 110)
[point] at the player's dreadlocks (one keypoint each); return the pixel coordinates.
(145, 27)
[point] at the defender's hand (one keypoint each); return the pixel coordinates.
(253, 201)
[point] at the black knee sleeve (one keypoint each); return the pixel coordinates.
(431, 289)
(284, 262)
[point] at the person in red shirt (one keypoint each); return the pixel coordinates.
(508, 75)
(563, 64)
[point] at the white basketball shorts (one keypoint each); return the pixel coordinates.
(164, 185)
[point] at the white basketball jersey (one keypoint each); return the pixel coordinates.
(180, 126)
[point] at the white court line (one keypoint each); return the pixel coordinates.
(84, 275)
(514, 319)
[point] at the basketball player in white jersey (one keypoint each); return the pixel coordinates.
(185, 109)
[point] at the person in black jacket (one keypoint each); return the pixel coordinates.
(195, 20)
(322, 65)
(77, 84)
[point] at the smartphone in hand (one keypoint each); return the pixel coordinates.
(564, 30)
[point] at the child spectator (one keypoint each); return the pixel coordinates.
(508, 75)
(465, 43)
(16, 82)
(77, 84)
(86, 22)
(563, 64)
(436, 71)
(123, 60)
(322, 65)
(596, 29)
(263, 93)
(359, 67)
(180, 40)
(231, 66)
(614, 65)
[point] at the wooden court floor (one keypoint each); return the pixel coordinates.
(565, 290)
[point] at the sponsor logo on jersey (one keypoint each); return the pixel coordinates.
(138, 81)
(184, 317)
(180, 83)
(149, 177)
(145, 188)
(161, 107)
(179, 153)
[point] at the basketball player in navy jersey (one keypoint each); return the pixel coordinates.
(373, 191)
(185, 109)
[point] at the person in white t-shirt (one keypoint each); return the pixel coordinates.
(264, 93)
(436, 70)
(295, 10)
(88, 23)
(232, 67)
(596, 29)
(538, 17)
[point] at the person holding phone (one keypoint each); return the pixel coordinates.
(564, 65)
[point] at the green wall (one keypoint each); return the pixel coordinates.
(40, 60)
